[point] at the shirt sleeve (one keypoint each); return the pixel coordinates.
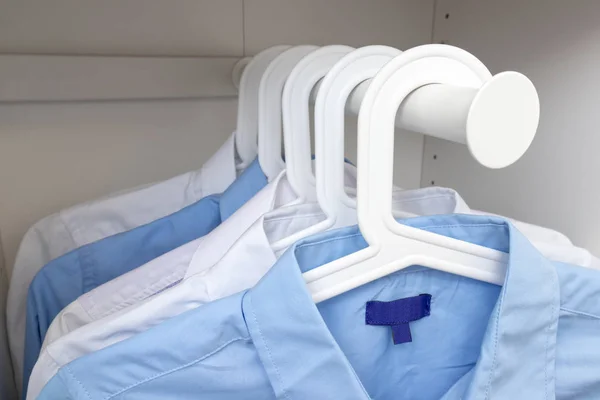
(46, 240)
(49, 291)
(44, 370)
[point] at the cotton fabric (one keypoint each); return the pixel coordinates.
(208, 274)
(271, 341)
(66, 278)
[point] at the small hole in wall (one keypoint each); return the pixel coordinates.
(435, 156)
(432, 183)
(447, 16)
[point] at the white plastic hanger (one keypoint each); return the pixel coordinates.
(246, 135)
(296, 117)
(351, 70)
(354, 69)
(269, 108)
(393, 246)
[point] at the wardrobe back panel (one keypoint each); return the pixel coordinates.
(123, 27)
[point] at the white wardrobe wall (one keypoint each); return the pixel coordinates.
(557, 45)
(56, 154)
(122, 27)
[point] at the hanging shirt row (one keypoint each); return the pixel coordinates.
(256, 278)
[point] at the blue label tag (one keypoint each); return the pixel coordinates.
(397, 314)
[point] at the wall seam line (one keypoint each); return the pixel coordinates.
(433, 19)
(244, 52)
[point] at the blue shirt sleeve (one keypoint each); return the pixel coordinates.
(66, 278)
(45, 295)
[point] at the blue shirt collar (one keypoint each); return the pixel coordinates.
(518, 347)
(251, 180)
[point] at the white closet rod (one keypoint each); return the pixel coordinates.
(434, 110)
(497, 121)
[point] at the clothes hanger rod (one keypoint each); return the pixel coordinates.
(497, 121)
(449, 104)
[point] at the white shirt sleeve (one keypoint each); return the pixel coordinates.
(47, 239)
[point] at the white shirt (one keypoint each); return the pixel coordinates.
(85, 223)
(222, 263)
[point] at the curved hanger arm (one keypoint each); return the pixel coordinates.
(353, 69)
(246, 135)
(296, 116)
(269, 108)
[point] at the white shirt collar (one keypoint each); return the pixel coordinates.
(277, 192)
(274, 195)
(268, 204)
(429, 201)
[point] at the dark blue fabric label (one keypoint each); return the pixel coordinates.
(397, 314)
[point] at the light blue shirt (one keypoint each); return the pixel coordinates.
(537, 337)
(66, 278)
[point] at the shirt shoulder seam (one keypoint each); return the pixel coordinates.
(160, 374)
(580, 313)
(270, 354)
(86, 266)
(70, 232)
(79, 383)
